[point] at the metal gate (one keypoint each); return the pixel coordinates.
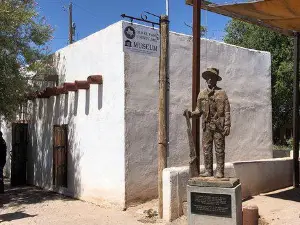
(60, 155)
(19, 154)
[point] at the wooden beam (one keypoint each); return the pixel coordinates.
(162, 107)
(196, 74)
(206, 5)
(95, 79)
(82, 84)
(296, 111)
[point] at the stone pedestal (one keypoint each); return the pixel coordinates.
(214, 201)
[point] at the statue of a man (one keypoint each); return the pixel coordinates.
(214, 107)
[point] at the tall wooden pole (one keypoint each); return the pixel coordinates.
(71, 23)
(296, 112)
(162, 125)
(196, 73)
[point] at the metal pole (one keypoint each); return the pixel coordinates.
(167, 7)
(296, 112)
(70, 23)
(196, 73)
(162, 124)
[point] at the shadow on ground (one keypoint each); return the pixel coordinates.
(17, 196)
(7, 217)
(290, 195)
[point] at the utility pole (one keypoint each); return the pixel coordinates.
(162, 108)
(71, 30)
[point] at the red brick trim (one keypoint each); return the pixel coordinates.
(70, 87)
(82, 84)
(95, 79)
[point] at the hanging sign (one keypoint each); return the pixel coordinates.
(141, 39)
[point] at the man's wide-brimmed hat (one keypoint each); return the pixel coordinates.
(211, 72)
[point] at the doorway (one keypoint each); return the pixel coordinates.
(19, 154)
(60, 155)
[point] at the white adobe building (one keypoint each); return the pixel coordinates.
(112, 127)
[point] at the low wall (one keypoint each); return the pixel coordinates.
(256, 177)
(282, 153)
(264, 175)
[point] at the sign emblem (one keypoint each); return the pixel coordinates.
(128, 43)
(129, 32)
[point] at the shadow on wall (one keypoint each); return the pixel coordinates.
(74, 154)
(46, 114)
(100, 96)
(87, 101)
(58, 110)
(41, 157)
(75, 105)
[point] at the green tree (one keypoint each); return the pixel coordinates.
(23, 37)
(281, 49)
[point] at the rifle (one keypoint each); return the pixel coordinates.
(193, 167)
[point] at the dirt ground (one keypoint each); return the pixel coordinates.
(281, 207)
(30, 205)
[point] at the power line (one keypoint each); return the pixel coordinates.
(84, 9)
(51, 2)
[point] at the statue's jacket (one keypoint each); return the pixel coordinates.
(221, 115)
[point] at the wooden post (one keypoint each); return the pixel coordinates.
(296, 112)
(196, 73)
(162, 125)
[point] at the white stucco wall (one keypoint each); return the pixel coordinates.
(247, 81)
(95, 119)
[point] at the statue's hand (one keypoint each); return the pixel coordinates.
(226, 131)
(187, 112)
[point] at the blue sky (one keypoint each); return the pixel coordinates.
(91, 16)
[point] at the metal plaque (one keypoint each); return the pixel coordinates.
(141, 39)
(211, 204)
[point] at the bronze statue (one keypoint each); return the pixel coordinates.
(214, 107)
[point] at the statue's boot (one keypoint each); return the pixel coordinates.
(208, 163)
(220, 157)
